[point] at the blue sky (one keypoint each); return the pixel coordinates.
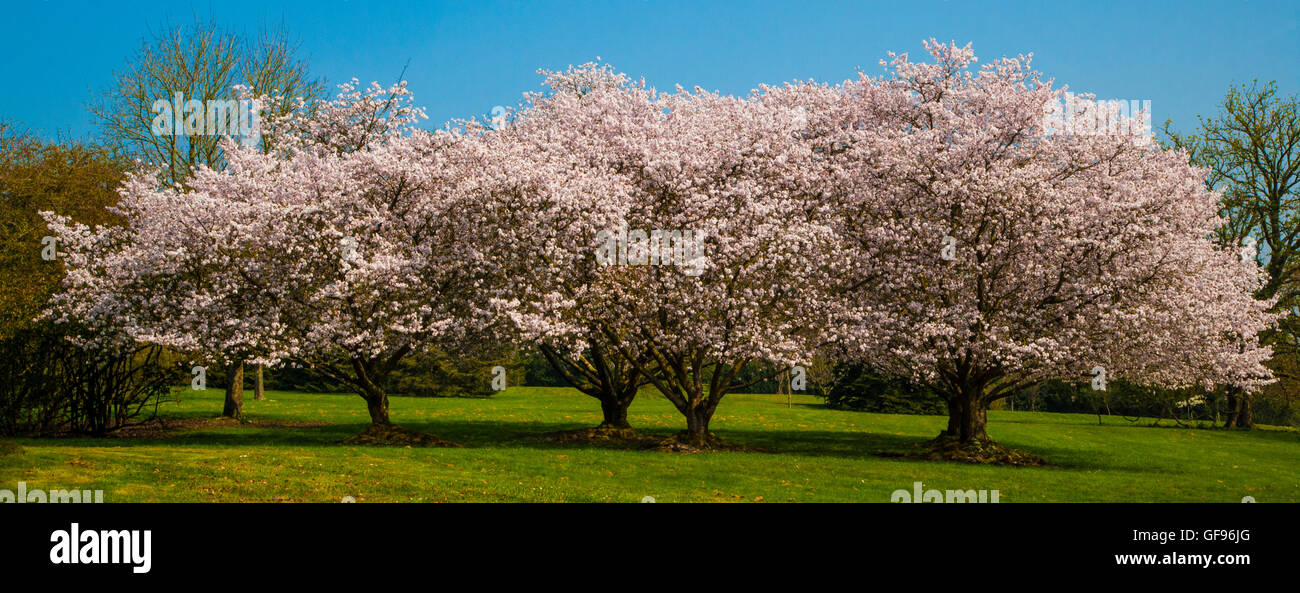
(466, 57)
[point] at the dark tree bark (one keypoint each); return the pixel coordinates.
(235, 392)
(377, 405)
(615, 412)
(697, 423)
(1239, 412)
(967, 413)
(954, 417)
(1246, 418)
(369, 376)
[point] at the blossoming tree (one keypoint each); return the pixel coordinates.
(995, 248)
(739, 270)
(339, 249)
(556, 179)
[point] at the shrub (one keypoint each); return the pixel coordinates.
(49, 385)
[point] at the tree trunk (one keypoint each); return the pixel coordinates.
(954, 418)
(1239, 412)
(258, 393)
(967, 415)
(615, 412)
(613, 385)
(697, 425)
(377, 404)
(1245, 416)
(235, 392)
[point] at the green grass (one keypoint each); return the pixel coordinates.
(816, 454)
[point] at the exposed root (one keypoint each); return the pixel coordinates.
(392, 435)
(983, 450)
(685, 442)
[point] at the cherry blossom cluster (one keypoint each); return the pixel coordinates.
(928, 222)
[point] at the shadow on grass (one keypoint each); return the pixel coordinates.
(528, 435)
(518, 435)
(531, 435)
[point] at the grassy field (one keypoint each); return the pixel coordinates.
(291, 452)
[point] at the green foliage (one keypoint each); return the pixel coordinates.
(35, 175)
(1273, 406)
(1274, 410)
(1069, 398)
(538, 372)
(770, 379)
(858, 388)
(441, 374)
(285, 378)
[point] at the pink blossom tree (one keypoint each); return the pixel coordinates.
(339, 249)
(680, 236)
(720, 259)
(995, 248)
(557, 178)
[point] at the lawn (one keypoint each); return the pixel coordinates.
(291, 452)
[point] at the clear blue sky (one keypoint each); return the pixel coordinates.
(466, 57)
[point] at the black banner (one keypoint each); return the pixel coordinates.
(321, 543)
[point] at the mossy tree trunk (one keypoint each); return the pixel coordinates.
(234, 407)
(967, 414)
(377, 405)
(968, 391)
(697, 423)
(614, 412)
